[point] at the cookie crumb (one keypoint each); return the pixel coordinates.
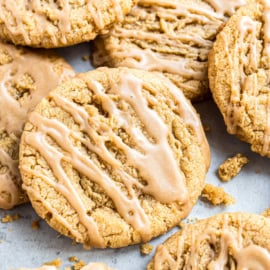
(231, 167)
(9, 218)
(206, 127)
(146, 249)
(35, 224)
(57, 262)
(266, 213)
(217, 195)
(86, 58)
(73, 259)
(79, 265)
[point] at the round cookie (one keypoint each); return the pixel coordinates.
(239, 69)
(51, 24)
(114, 157)
(26, 76)
(169, 36)
(225, 241)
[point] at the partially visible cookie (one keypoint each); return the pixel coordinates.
(50, 24)
(239, 74)
(114, 157)
(169, 36)
(25, 78)
(91, 266)
(225, 241)
(96, 266)
(44, 267)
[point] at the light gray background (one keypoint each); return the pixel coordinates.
(21, 246)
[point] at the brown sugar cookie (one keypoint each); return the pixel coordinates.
(239, 69)
(50, 24)
(44, 267)
(25, 77)
(232, 241)
(169, 36)
(114, 157)
(90, 266)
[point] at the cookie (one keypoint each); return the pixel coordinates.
(91, 266)
(239, 71)
(26, 76)
(50, 24)
(114, 157)
(225, 241)
(169, 36)
(44, 267)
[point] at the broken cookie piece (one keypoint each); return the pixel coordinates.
(146, 249)
(231, 167)
(217, 195)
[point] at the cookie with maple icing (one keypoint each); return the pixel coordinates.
(239, 69)
(90, 266)
(169, 36)
(114, 157)
(51, 24)
(225, 241)
(25, 77)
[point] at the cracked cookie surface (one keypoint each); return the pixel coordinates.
(26, 76)
(239, 75)
(51, 24)
(169, 36)
(114, 157)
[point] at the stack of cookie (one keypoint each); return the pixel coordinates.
(117, 156)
